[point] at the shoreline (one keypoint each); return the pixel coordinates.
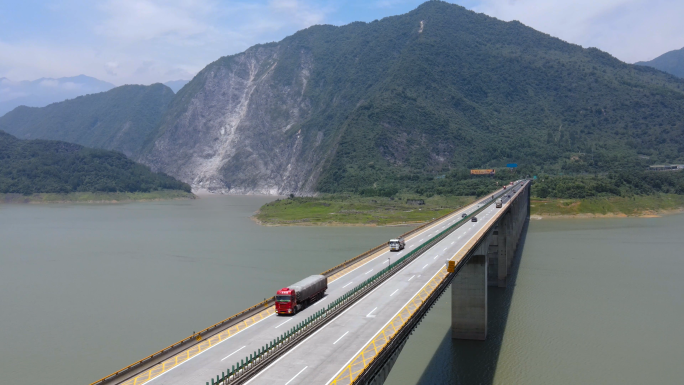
(331, 224)
(311, 212)
(613, 215)
(94, 198)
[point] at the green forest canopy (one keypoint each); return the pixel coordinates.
(45, 166)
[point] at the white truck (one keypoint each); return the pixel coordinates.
(397, 244)
(498, 203)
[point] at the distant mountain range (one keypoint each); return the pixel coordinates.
(671, 62)
(120, 119)
(409, 102)
(44, 91)
(41, 92)
(176, 85)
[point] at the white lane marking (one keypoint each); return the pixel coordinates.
(347, 284)
(445, 249)
(233, 352)
(436, 256)
(211, 347)
(300, 372)
(322, 328)
(453, 242)
(369, 271)
(421, 240)
(459, 237)
(283, 323)
(425, 266)
(340, 338)
(371, 339)
(371, 312)
(394, 292)
(411, 277)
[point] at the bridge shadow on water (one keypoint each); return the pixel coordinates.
(474, 362)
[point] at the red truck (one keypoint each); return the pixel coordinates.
(290, 300)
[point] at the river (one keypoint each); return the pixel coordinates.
(88, 289)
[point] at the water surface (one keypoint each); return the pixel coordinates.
(597, 301)
(88, 289)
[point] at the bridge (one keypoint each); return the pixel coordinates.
(355, 333)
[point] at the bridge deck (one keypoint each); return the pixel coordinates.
(325, 355)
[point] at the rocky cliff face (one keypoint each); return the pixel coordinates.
(234, 135)
(390, 105)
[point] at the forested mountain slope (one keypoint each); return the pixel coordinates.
(119, 119)
(399, 101)
(46, 166)
(404, 99)
(671, 62)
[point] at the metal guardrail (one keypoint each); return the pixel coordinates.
(251, 364)
(213, 329)
(190, 340)
(375, 354)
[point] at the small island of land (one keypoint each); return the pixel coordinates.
(623, 194)
(357, 210)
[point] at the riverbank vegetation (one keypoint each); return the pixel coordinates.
(615, 184)
(644, 205)
(44, 166)
(96, 197)
(358, 210)
(612, 194)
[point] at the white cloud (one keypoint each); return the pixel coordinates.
(630, 30)
(146, 41)
(52, 83)
(141, 20)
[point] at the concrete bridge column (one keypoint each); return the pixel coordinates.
(502, 263)
(469, 300)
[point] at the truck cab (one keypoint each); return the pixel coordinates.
(499, 203)
(397, 244)
(286, 301)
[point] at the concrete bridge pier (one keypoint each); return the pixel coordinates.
(489, 265)
(469, 300)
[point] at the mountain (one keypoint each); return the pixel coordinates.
(176, 85)
(671, 62)
(43, 166)
(396, 103)
(41, 92)
(119, 119)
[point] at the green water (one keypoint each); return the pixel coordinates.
(593, 302)
(88, 289)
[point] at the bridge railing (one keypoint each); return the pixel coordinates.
(217, 327)
(239, 372)
(406, 320)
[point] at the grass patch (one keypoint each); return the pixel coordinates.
(96, 197)
(630, 206)
(356, 210)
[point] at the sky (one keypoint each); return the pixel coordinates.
(148, 41)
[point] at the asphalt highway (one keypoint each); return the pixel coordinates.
(319, 358)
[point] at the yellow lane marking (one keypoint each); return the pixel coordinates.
(380, 252)
(359, 363)
(368, 354)
(187, 354)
